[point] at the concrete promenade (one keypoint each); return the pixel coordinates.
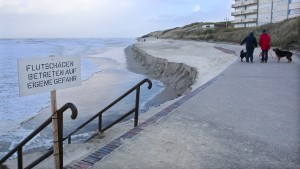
(246, 117)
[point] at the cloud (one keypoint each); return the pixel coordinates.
(47, 6)
(196, 8)
(61, 6)
(102, 18)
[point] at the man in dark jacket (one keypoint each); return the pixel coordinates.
(251, 43)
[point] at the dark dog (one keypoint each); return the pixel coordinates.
(243, 55)
(281, 53)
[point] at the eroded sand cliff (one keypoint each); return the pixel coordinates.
(179, 77)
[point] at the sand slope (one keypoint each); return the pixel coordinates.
(180, 65)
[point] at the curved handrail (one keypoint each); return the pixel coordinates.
(37, 131)
(71, 106)
(99, 114)
(144, 81)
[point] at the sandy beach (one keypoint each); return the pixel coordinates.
(180, 65)
(202, 57)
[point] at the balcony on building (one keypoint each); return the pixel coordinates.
(238, 4)
(247, 20)
(236, 21)
(249, 11)
(236, 13)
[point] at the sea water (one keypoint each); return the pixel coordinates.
(15, 111)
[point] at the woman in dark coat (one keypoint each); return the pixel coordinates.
(251, 43)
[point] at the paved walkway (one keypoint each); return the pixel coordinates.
(246, 117)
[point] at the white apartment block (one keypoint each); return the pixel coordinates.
(249, 13)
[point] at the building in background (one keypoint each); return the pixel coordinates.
(249, 13)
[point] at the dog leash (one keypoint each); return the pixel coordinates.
(272, 55)
(260, 55)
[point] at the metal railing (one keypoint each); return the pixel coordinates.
(19, 147)
(99, 114)
(59, 112)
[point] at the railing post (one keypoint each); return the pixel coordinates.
(20, 158)
(69, 140)
(100, 123)
(60, 138)
(137, 101)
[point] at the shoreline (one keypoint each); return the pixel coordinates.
(88, 97)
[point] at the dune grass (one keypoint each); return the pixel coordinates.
(285, 34)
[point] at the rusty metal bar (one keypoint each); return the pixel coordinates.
(108, 107)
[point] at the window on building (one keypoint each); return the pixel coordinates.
(240, 9)
(262, 23)
(294, 11)
(263, 15)
(252, 7)
(240, 17)
(281, 2)
(295, 1)
(250, 24)
(265, 6)
(279, 13)
(239, 25)
(251, 16)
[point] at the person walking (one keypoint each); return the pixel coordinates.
(264, 43)
(251, 43)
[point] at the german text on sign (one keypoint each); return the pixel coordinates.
(38, 75)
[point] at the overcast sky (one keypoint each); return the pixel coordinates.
(103, 18)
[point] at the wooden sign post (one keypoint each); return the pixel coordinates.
(56, 150)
